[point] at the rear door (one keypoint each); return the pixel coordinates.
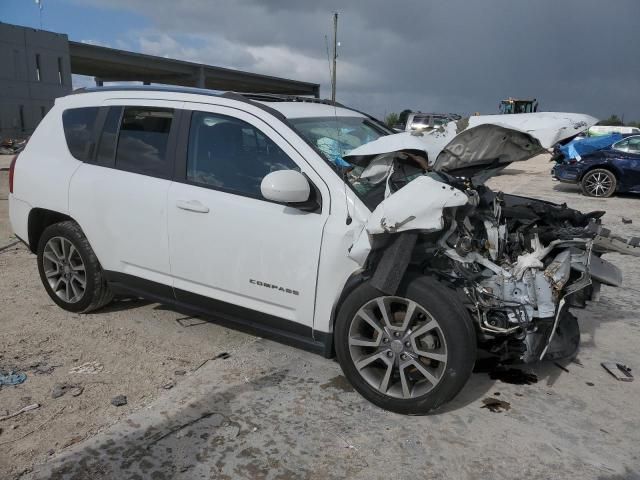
(231, 250)
(119, 196)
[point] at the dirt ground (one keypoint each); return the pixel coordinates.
(270, 411)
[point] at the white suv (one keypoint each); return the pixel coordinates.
(273, 216)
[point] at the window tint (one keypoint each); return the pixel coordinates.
(230, 154)
(142, 142)
(622, 146)
(634, 144)
(78, 124)
(107, 145)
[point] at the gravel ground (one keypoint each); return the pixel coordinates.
(271, 411)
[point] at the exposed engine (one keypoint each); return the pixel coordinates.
(520, 264)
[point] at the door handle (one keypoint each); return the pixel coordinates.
(192, 206)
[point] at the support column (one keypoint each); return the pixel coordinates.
(200, 83)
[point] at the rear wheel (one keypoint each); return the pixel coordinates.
(408, 353)
(69, 269)
(599, 183)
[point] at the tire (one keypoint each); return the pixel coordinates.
(69, 269)
(450, 345)
(599, 182)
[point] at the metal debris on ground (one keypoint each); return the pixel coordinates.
(119, 401)
(513, 376)
(561, 367)
(42, 368)
(190, 321)
(12, 378)
(180, 372)
(59, 389)
(90, 368)
(495, 404)
(22, 410)
(168, 385)
(626, 220)
(618, 370)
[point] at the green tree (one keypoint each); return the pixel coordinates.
(613, 120)
(392, 119)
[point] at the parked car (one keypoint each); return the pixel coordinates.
(305, 221)
(426, 121)
(597, 130)
(603, 172)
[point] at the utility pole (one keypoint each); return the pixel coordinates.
(335, 56)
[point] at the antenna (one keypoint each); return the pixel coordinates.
(335, 56)
(40, 6)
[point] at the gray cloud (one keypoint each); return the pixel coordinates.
(458, 56)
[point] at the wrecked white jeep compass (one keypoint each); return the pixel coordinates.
(312, 223)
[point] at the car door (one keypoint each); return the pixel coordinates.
(119, 197)
(231, 250)
(627, 153)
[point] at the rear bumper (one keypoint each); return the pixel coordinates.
(566, 173)
(19, 217)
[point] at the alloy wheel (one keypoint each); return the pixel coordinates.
(64, 269)
(598, 184)
(397, 347)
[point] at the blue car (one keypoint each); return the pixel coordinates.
(603, 172)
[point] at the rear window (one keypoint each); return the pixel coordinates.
(142, 143)
(79, 130)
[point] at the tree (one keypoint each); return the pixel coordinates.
(613, 120)
(392, 119)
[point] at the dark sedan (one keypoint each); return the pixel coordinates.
(604, 172)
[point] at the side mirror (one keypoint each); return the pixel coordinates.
(286, 186)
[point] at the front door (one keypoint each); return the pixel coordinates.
(230, 248)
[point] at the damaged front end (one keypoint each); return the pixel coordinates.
(517, 264)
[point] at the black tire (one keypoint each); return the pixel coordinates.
(599, 182)
(96, 291)
(455, 325)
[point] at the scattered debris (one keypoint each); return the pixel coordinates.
(618, 370)
(90, 368)
(591, 384)
(168, 386)
(561, 367)
(22, 410)
(119, 401)
(513, 376)
(577, 362)
(495, 404)
(12, 378)
(190, 321)
(223, 356)
(180, 372)
(11, 146)
(42, 368)
(626, 220)
(59, 389)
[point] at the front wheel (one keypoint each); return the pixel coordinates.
(408, 353)
(599, 183)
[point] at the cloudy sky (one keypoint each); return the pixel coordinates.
(452, 56)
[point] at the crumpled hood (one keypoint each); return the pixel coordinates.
(470, 145)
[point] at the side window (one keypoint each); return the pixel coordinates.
(142, 142)
(622, 146)
(79, 129)
(231, 155)
(108, 138)
(634, 145)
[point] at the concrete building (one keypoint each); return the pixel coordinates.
(36, 68)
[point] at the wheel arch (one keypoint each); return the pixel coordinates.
(39, 220)
(601, 166)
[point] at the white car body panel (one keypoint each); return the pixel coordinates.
(417, 206)
(252, 241)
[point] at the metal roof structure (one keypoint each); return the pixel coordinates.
(112, 65)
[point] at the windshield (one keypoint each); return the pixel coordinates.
(336, 136)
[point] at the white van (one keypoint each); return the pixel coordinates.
(599, 130)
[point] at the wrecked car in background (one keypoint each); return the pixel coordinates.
(310, 222)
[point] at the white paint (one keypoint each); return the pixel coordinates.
(417, 206)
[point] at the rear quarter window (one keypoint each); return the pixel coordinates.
(79, 131)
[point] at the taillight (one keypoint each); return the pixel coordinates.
(12, 167)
